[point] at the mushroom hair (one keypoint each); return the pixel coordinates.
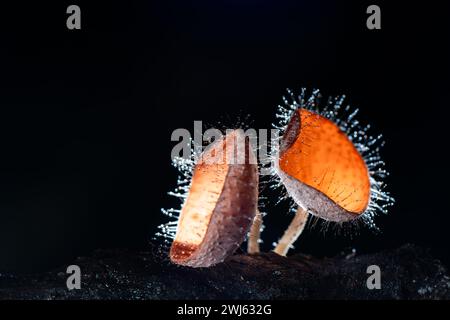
(327, 163)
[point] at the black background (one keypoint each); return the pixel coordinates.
(86, 116)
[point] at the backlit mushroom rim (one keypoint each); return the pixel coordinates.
(345, 118)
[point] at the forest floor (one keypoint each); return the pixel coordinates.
(408, 272)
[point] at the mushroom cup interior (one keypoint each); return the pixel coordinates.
(221, 203)
(322, 169)
(206, 187)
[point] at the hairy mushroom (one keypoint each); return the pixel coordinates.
(327, 167)
(220, 205)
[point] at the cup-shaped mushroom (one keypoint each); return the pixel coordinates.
(321, 168)
(221, 203)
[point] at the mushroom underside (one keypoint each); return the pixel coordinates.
(313, 200)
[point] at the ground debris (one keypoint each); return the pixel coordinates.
(408, 272)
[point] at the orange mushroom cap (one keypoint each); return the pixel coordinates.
(322, 169)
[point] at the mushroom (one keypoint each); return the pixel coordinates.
(327, 167)
(220, 205)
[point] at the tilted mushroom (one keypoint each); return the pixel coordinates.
(328, 166)
(220, 205)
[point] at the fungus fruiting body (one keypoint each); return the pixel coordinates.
(328, 164)
(321, 168)
(219, 205)
(325, 160)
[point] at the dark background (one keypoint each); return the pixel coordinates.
(86, 116)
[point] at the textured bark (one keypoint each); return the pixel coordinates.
(408, 272)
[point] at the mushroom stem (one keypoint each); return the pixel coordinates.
(292, 232)
(255, 233)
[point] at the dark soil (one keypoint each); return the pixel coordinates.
(408, 272)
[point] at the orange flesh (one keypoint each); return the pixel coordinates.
(207, 184)
(206, 187)
(324, 158)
